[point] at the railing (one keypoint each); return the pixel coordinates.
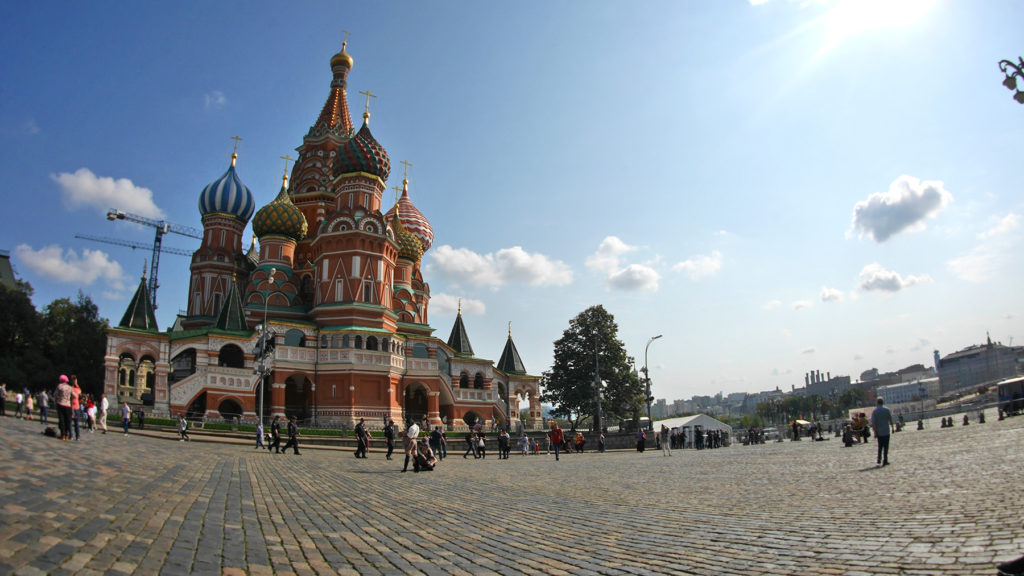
(475, 394)
(216, 377)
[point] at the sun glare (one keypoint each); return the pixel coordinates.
(849, 18)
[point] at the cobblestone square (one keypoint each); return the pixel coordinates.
(950, 503)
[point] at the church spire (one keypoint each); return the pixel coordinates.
(139, 314)
(335, 111)
(510, 362)
(459, 339)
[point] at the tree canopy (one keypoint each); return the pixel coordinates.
(66, 338)
(591, 341)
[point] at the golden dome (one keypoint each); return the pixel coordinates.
(342, 58)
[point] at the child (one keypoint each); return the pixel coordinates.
(259, 436)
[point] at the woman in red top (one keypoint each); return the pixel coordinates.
(76, 404)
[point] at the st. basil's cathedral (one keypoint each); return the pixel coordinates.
(336, 282)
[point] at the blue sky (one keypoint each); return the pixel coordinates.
(776, 187)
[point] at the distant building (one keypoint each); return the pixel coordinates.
(659, 409)
(976, 365)
(904, 392)
(6, 272)
(817, 384)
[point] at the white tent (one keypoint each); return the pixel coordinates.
(686, 424)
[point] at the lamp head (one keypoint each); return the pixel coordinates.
(1010, 82)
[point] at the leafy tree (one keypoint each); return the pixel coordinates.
(569, 384)
(76, 339)
(20, 336)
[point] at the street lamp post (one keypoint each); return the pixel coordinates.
(647, 377)
(262, 347)
(1013, 72)
(598, 416)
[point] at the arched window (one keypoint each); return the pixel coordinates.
(294, 337)
(359, 342)
(419, 350)
(478, 381)
(231, 356)
(371, 343)
(464, 380)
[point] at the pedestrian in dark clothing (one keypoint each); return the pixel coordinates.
(389, 437)
(362, 438)
(293, 437)
(275, 435)
(470, 445)
(882, 424)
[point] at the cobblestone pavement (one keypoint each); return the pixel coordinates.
(949, 504)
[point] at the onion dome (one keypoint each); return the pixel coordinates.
(409, 246)
(362, 153)
(280, 217)
(342, 58)
(227, 195)
(412, 219)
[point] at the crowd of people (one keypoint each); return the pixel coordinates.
(75, 410)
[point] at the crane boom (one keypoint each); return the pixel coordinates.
(162, 227)
(133, 245)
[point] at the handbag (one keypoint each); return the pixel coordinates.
(480, 442)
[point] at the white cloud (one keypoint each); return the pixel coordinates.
(634, 278)
(631, 277)
(975, 266)
(922, 344)
(83, 188)
(905, 207)
(831, 294)
(606, 259)
(807, 351)
(30, 127)
(772, 304)
(508, 265)
(214, 100)
(1006, 224)
(446, 303)
(66, 266)
(700, 266)
(800, 304)
(875, 278)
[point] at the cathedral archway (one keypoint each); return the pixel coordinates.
(471, 418)
(298, 397)
(197, 409)
(416, 402)
(183, 365)
(229, 409)
(231, 356)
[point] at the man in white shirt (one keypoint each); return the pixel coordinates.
(104, 406)
(409, 436)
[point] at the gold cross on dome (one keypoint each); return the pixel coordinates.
(397, 192)
(405, 175)
(368, 96)
(286, 159)
(237, 139)
(345, 40)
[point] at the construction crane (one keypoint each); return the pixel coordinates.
(162, 227)
(134, 245)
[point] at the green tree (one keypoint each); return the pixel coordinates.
(592, 338)
(21, 337)
(76, 341)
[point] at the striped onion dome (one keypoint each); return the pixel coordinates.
(412, 219)
(227, 195)
(409, 246)
(280, 217)
(362, 153)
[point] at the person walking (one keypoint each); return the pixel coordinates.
(44, 406)
(183, 428)
(409, 438)
(389, 438)
(275, 435)
(883, 424)
(104, 407)
(142, 419)
(362, 438)
(293, 437)
(555, 437)
(126, 417)
(259, 436)
(641, 439)
(19, 404)
(62, 397)
(666, 448)
(29, 404)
